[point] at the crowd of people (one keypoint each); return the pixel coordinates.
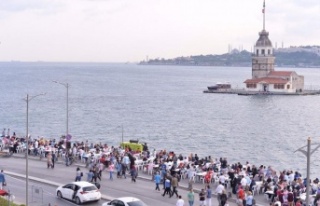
(167, 168)
(281, 188)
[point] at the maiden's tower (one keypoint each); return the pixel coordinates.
(265, 79)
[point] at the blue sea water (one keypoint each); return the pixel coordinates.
(164, 106)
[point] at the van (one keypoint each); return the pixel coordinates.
(133, 146)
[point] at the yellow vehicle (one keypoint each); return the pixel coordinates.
(134, 145)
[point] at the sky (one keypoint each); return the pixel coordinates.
(131, 30)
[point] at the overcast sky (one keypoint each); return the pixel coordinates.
(129, 30)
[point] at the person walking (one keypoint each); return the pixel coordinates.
(290, 198)
(208, 195)
(90, 176)
(100, 167)
(241, 195)
(111, 170)
(249, 199)
(68, 156)
(119, 169)
(53, 155)
(133, 172)
(202, 198)
(191, 197)
(180, 201)
(167, 187)
(174, 184)
(219, 191)
(157, 180)
(95, 173)
(190, 184)
(126, 161)
(123, 170)
(78, 175)
(223, 198)
(2, 180)
(49, 160)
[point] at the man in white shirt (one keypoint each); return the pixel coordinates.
(248, 180)
(126, 161)
(180, 201)
(36, 145)
(222, 179)
(191, 173)
(219, 191)
(243, 182)
(291, 177)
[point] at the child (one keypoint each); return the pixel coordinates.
(111, 169)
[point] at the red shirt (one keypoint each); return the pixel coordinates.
(241, 194)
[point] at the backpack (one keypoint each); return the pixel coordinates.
(81, 174)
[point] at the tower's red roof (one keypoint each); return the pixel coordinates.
(267, 80)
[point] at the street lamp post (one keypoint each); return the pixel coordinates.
(122, 135)
(66, 85)
(308, 154)
(28, 99)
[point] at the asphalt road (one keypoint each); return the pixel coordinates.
(40, 193)
(144, 190)
(47, 180)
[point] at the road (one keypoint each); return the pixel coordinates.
(40, 193)
(48, 180)
(61, 174)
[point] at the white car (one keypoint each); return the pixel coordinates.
(79, 192)
(125, 201)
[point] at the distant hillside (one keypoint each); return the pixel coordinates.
(297, 59)
(243, 58)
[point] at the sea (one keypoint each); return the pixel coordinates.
(164, 106)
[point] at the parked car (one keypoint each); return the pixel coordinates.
(125, 201)
(79, 192)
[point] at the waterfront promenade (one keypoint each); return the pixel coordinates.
(143, 189)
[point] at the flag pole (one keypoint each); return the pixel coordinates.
(264, 14)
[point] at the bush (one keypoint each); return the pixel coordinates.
(4, 202)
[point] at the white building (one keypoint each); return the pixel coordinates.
(277, 81)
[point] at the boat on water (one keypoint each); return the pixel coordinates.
(220, 86)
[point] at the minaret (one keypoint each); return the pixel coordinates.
(262, 58)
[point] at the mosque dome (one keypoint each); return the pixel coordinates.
(264, 40)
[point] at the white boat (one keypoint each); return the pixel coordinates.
(220, 86)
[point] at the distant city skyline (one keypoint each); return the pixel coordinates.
(132, 30)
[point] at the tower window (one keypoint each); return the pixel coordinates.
(257, 51)
(262, 52)
(269, 51)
